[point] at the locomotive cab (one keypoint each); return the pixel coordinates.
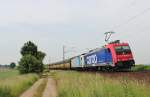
(122, 54)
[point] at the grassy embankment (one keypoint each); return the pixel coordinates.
(77, 84)
(12, 84)
(141, 68)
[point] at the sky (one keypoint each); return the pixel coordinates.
(79, 25)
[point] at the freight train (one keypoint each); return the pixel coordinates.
(113, 56)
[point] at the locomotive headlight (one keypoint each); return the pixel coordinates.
(119, 60)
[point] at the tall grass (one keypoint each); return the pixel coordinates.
(75, 84)
(14, 86)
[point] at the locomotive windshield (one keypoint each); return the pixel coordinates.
(123, 50)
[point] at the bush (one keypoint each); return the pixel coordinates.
(141, 68)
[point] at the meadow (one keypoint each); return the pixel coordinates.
(8, 73)
(12, 84)
(77, 84)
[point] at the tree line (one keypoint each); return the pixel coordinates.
(11, 65)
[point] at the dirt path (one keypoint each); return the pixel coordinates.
(50, 90)
(32, 91)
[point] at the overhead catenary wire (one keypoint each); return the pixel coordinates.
(131, 18)
(107, 37)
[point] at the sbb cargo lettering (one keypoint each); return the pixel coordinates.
(92, 59)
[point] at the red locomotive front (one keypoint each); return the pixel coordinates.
(121, 54)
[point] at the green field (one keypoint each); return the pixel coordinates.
(12, 84)
(8, 73)
(77, 84)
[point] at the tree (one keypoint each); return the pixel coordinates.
(32, 59)
(40, 55)
(12, 65)
(29, 64)
(29, 48)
